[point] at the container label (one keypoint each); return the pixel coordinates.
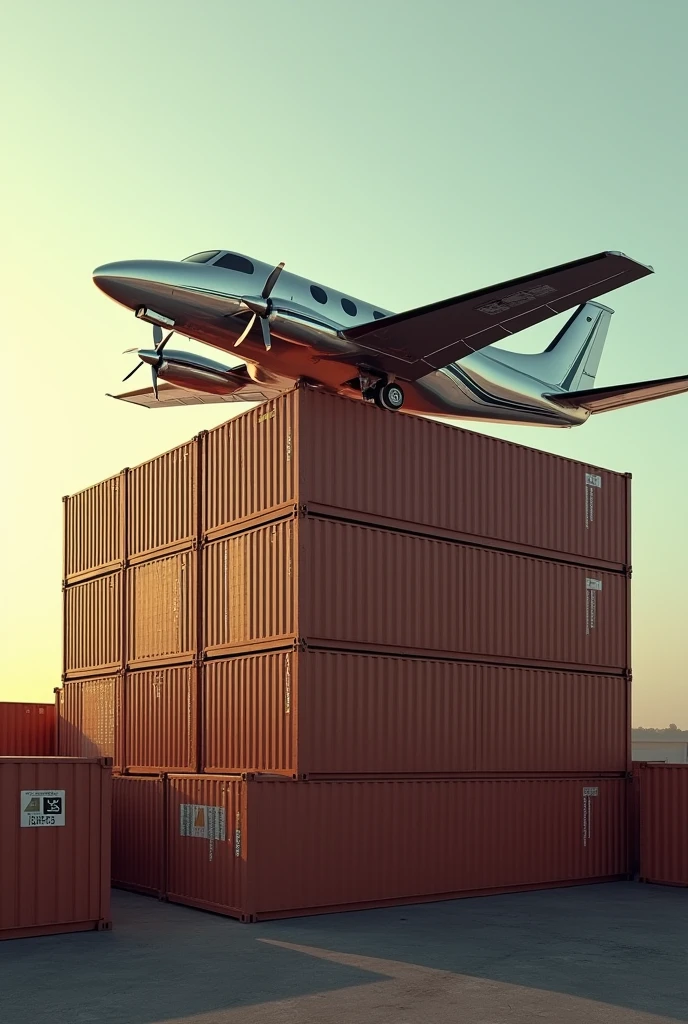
(592, 589)
(592, 482)
(41, 808)
(588, 793)
(200, 821)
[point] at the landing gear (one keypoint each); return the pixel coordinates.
(385, 394)
(389, 397)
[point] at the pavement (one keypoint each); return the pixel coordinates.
(599, 954)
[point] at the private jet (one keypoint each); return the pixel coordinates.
(434, 360)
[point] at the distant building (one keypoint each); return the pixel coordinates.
(667, 745)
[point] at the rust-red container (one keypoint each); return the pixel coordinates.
(327, 582)
(160, 720)
(331, 454)
(27, 730)
(334, 713)
(162, 610)
(89, 719)
(93, 626)
(262, 849)
(138, 834)
(54, 846)
(163, 503)
(663, 823)
(93, 530)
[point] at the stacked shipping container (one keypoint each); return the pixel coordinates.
(320, 591)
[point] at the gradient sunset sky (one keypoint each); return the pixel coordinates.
(400, 152)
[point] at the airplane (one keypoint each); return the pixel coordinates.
(435, 360)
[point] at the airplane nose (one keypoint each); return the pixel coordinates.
(134, 282)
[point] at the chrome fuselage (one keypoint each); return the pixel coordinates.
(204, 302)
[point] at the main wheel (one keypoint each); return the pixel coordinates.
(389, 396)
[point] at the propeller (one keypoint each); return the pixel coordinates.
(261, 307)
(155, 359)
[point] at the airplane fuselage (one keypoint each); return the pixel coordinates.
(306, 323)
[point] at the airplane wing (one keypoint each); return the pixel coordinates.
(619, 396)
(171, 396)
(414, 343)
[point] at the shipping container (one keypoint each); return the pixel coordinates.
(160, 715)
(162, 610)
(93, 626)
(27, 730)
(333, 713)
(663, 823)
(138, 834)
(94, 530)
(265, 848)
(163, 503)
(326, 582)
(408, 470)
(89, 719)
(54, 846)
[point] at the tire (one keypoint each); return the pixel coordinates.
(389, 397)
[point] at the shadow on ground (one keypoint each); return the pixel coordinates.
(605, 953)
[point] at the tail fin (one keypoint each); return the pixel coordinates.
(570, 361)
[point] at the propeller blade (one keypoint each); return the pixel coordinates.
(154, 372)
(245, 331)
(157, 335)
(272, 280)
(265, 328)
(137, 367)
(160, 347)
(128, 350)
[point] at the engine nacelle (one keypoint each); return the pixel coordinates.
(196, 373)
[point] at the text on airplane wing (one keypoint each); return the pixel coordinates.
(418, 341)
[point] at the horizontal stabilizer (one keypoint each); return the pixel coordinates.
(621, 395)
(418, 341)
(171, 396)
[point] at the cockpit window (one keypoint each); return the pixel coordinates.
(232, 261)
(201, 257)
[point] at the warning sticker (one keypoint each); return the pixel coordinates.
(41, 808)
(202, 821)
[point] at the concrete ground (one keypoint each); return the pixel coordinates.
(602, 954)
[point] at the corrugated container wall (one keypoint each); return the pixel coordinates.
(160, 720)
(330, 582)
(162, 502)
(93, 626)
(162, 610)
(343, 845)
(93, 530)
(56, 877)
(663, 823)
(89, 718)
(406, 469)
(27, 730)
(309, 713)
(138, 834)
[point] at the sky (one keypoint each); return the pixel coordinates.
(401, 153)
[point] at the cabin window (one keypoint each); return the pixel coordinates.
(378, 315)
(349, 307)
(319, 294)
(232, 261)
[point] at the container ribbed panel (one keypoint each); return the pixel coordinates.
(93, 624)
(138, 834)
(162, 609)
(160, 724)
(663, 820)
(27, 730)
(90, 718)
(93, 528)
(250, 592)
(250, 463)
(203, 868)
(161, 501)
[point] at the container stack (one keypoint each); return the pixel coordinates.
(346, 658)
